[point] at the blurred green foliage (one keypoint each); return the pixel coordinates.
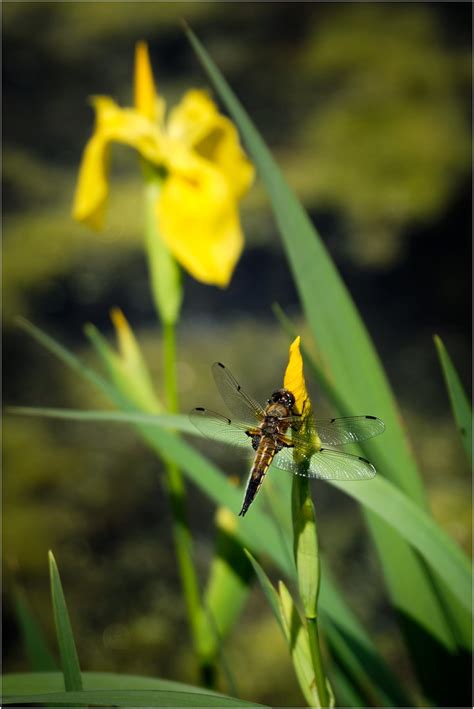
(367, 109)
(388, 135)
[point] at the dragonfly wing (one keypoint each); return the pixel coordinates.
(339, 431)
(220, 428)
(238, 401)
(325, 464)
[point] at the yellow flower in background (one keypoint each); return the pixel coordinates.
(205, 172)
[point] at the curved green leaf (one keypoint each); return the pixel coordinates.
(108, 689)
(459, 402)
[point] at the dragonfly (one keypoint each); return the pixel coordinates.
(277, 433)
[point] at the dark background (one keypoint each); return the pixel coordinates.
(367, 109)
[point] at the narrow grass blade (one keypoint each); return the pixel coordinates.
(174, 422)
(459, 402)
(27, 683)
(102, 688)
(130, 698)
(346, 692)
(40, 657)
(268, 589)
(67, 646)
(440, 551)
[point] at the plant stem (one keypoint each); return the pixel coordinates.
(167, 295)
(169, 359)
(319, 675)
(306, 551)
(177, 495)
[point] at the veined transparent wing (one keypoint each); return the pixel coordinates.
(220, 428)
(340, 431)
(238, 401)
(325, 464)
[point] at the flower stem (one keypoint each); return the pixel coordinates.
(167, 295)
(306, 551)
(169, 358)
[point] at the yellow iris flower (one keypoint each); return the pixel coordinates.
(205, 172)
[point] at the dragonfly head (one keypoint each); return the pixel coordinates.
(282, 396)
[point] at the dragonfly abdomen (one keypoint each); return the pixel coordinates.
(263, 458)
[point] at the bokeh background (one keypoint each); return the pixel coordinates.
(367, 109)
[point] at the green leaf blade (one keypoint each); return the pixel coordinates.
(459, 402)
(67, 646)
(133, 698)
(306, 549)
(108, 689)
(298, 643)
(38, 653)
(267, 588)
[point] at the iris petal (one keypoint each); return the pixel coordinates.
(197, 123)
(294, 377)
(147, 100)
(198, 219)
(117, 124)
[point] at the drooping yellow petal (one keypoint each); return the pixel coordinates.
(294, 378)
(147, 101)
(198, 220)
(122, 125)
(196, 123)
(92, 189)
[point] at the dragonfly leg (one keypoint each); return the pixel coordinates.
(255, 439)
(255, 442)
(282, 443)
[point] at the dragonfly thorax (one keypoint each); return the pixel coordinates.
(270, 426)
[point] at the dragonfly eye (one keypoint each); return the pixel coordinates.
(282, 396)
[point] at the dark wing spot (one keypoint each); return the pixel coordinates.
(229, 421)
(238, 387)
(332, 420)
(365, 460)
(371, 417)
(221, 365)
(199, 408)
